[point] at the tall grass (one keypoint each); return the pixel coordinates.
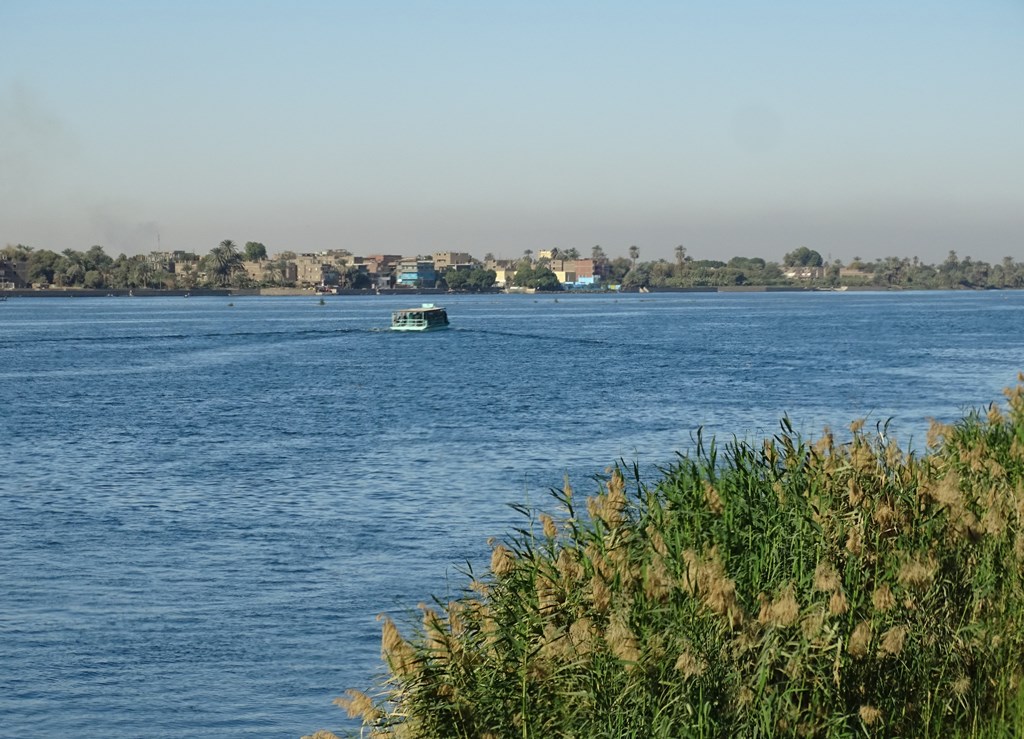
(786, 588)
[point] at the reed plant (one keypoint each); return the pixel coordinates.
(783, 588)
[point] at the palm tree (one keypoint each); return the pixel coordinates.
(634, 253)
(680, 255)
(597, 253)
(224, 262)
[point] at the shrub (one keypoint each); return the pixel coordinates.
(784, 588)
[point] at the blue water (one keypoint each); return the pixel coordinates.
(203, 507)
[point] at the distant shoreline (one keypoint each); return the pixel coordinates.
(300, 291)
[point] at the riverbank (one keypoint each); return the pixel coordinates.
(301, 291)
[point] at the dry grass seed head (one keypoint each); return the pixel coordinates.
(395, 651)
(503, 561)
(869, 715)
(554, 645)
(855, 494)
(855, 540)
(549, 527)
(937, 433)
(549, 595)
(825, 577)
(860, 640)
(882, 598)
(359, 705)
(690, 664)
(719, 590)
(657, 540)
(600, 594)
(622, 641)
(713, 499)
(583, 635)
(892, 641)
(435, 636)
(885, 517)
(917, 574)
(658, 581)
(837, 604)
(569, 567)
(783, 611)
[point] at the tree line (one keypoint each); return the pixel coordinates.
(223, 267)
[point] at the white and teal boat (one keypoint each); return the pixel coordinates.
(428, 317)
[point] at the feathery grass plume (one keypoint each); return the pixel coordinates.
(600, 594)
(855, 494)
(811, 625)
(937, 434)
(713, 499)
(917, 574)
(708, 579)
(869, 715)
(837, 603)
(621, 640)
(359, 705)
(859, 644)
(503, 561)
(480, 587)
(784, 611)
(855, 539)
(689, 664)
(549, 595)
(610, 506)
(615, 501)
(892, 641)
(569, 568)
(656, 539)
(625, 569)
(434, 633)
(882, 598)
(395, 651)
(549, 527)
(583, 635)
(554, 645)
(826, 578)
(658, 581)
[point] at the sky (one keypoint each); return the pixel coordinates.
(733, 128)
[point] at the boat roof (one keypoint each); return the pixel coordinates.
(425, 308)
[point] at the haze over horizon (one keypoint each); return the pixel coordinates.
(741, 128)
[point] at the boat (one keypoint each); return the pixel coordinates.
(428, 317)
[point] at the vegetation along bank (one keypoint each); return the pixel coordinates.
(785, 588)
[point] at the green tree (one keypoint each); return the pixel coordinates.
(42, 266)
(16, 253)
(634, 254)
(538, 278)
(482, 279)
(803, 257)
(255, 251)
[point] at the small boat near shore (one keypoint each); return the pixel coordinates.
(428, 317)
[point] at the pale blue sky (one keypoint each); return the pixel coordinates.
(734, 128)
